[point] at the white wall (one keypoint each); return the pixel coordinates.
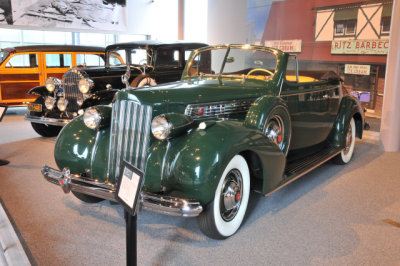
(158, 18)
(226, 21)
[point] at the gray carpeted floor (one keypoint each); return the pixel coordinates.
(335, 215)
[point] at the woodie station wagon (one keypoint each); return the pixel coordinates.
(25, 67)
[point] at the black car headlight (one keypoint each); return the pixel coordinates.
(97, 117)
(85, 85)
(52, 84)
(167, 126)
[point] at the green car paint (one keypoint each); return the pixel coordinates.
(190, 163)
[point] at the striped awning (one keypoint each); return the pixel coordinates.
(346, 14)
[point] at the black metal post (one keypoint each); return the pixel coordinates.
(3, 162)
(131, 239)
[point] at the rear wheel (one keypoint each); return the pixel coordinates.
(223, 216)
(86, 198)
(347, 153)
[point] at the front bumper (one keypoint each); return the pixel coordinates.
(148, 201)
(47, 120)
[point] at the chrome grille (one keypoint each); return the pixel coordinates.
(130, 135)
(70, 82)
(218, 109)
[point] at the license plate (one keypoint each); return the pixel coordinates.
(35, 107)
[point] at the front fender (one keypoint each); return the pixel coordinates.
(103, 97)
(192, 164)
(82, 149)
(349, 108)
(39, 90)
(259, 111)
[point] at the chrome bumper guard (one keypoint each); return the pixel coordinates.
(47, 120)
(148, 201)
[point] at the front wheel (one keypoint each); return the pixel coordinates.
(46, 130)
(346, 154)
(223, 216)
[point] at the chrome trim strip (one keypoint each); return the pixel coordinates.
(161, 204)
(309, 91)
(47, 120)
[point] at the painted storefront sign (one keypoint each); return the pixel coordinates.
(289, 46)
(357, 69)
(376, 47)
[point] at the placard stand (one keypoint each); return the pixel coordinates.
(131, 239)
(3, 109)
(128, 193)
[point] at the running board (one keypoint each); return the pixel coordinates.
(298, 168)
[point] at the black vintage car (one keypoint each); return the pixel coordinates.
(135, 64)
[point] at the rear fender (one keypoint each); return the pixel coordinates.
(349, 108)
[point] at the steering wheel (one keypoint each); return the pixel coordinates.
(259, 69)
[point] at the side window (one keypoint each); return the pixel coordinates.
(23, 61)
(58, 60)
(291, 69)
(168, 57)
(89, 60)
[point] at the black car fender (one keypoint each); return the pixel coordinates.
(103, 97)
(39, 90)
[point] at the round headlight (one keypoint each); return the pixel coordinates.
(62, 104)
(161, 127)
(52, 83)
(85, 85)
(92, 118)
(49, 102)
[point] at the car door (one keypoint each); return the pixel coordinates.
(169, 65)
(19, 73)
(309, 106)
(56, 64)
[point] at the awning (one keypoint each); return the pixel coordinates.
(387, 10)
(346, 14)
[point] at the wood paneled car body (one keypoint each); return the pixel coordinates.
(24, 67)
(134, 64)
(241, 118)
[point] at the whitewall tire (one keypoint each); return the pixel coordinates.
(347, 153)
(223, 216)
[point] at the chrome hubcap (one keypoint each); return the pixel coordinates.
(231, 195)
(349, 140)
(275, 130)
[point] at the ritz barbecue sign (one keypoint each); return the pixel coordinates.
(373, 47)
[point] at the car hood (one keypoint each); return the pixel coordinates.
(175, 96)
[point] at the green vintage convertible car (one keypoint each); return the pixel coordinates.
(241, 118)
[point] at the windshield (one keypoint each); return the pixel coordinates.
(234, 62)
(136, 56)
(3, 55)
